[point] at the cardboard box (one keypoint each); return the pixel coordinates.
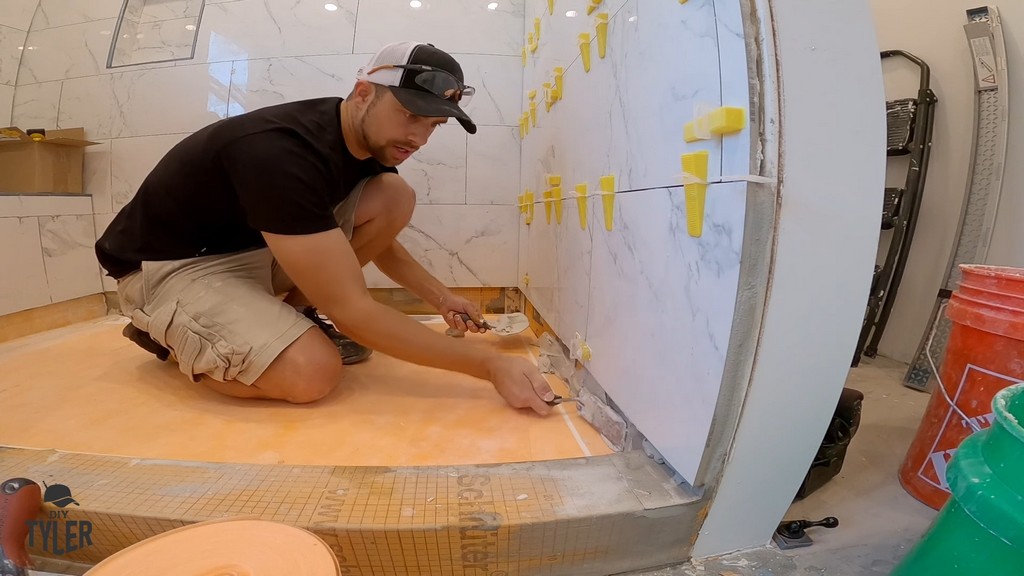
(42, 163)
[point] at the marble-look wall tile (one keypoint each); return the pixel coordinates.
(69, 256)
(162, 40)
(493, 166)
(11, 44)
(30, 205)
(6, 104)
(573, 247)
(96, 176)
(626, 116)
(175, 10)
(468, 246)
(259, 83)
(17, 13)
(35, 105)
(249, 29)
(524, 253)
(661, 69)
(74, 51)
(663, 361)
(456, 26)
(437, 171)
(22, 253)
(147, 102)
(542, 263)
(131, 161)
(101, 222)
(732, 57)
(54, 13)
(498, 81)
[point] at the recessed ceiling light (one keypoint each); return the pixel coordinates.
(571, 13)
(492, 6)
(415, 3)
(190, 26)
(330, 6)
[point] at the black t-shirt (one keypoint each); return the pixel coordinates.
(280, 169)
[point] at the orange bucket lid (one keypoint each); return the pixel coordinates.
(236, 547)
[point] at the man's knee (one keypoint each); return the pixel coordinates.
(306, 371)
(397, 199)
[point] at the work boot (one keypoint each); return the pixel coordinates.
(145, 341)
(351, 351)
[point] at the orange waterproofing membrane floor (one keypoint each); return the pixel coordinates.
(88, 389)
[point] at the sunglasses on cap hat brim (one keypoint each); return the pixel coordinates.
(439, 93)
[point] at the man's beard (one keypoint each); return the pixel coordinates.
(379, 151)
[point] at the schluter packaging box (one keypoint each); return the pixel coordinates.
(43, 162)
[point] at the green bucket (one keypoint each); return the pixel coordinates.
(980, 530)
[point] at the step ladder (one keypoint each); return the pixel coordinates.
(910, 124)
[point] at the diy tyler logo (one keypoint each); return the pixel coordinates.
(53, 531)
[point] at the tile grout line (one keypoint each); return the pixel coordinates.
(565, 415)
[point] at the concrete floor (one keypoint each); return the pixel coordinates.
(878, 521)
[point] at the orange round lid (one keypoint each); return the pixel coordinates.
(231, 547)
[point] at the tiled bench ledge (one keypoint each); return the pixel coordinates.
(22, 205)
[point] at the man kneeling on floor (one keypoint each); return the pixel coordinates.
(295, 199)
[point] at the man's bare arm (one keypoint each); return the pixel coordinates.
(326, 269)
(397, 264)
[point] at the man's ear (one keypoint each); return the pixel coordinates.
(363, 93)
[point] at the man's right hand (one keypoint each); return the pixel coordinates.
(327, 271)
(520, 383)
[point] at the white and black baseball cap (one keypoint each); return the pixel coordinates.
(424, 79)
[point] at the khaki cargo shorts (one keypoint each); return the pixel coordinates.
(221, 315)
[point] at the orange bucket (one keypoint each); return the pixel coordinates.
(984, 354)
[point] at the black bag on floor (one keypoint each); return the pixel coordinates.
(829, 460)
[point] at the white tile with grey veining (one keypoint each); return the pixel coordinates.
(174, 10)
(732, 56)
(89, 102)
(455, 26)
(161, 41)
(22, 252)
(6, 104)
(493, 166)
(437, 171)
(145, 102)
(573, 246)
(69, 256)
(96, 176)
(171, 100)
(17, 13)
(11, 43)
(660, 54)
(35, 105)
(131, 161)
(54, 13)
(259, 83)
(523, 236)
(249, 29)
(26, 205)
(498, 81)
(101, 223)
(542, 262)
(661, 311)
(73, 51)
(467, 246)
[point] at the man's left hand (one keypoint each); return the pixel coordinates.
(451, 308)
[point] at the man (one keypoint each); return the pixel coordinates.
(295, 199)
